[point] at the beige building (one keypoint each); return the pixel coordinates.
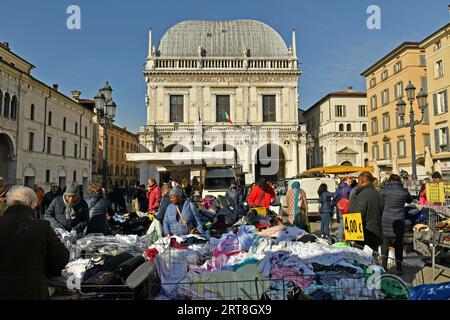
(45, 136)
(386, 80)
(237, 81)
(437, 50)
(338, 127)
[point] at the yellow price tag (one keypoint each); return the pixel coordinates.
(353, 227)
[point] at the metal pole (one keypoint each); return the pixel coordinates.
(105, 154)
(413, 142)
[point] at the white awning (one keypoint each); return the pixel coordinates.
(171, 159)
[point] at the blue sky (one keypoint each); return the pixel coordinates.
(333, 43)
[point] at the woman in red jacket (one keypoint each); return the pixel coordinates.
(262, 195)
(153, 195)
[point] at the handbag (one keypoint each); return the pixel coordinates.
(343, 205)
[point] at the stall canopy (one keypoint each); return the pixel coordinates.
(177, 159)
(339, 169)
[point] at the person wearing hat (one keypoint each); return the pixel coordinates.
(181, 215)
(70, 210)
(370, 204)
(50, 196)
(3, 191)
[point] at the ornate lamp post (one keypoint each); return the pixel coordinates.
(106, 111)
(401, 105)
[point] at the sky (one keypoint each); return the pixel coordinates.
(334, 44)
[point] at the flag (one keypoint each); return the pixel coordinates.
(227, 116)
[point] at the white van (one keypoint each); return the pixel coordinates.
(217, 181)
(310, 186)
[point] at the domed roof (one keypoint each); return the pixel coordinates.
(222, 39)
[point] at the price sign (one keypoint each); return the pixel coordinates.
(353, 227)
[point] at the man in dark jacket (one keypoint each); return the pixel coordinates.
(50, 196)
(393, 220)
(164, 203)
(30, 251)
(70, 210)
(370, 204)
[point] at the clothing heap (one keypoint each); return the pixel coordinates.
(277, 263)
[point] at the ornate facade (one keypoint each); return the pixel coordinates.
(225, 85)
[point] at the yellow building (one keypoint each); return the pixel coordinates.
(386, 81)
(437, 50)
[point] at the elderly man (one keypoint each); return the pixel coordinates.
(370, 204)
(3, 191)
(50, 196)
(30, 251)
(181, 216)
(70, 210)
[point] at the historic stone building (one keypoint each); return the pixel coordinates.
(225, 85)
(338, 127)
(45, 136)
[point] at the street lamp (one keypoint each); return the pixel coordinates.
(105, 108)
(401, 106)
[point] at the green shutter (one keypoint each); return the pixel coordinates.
(436, 140)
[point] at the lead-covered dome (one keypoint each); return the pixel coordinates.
(222, 39)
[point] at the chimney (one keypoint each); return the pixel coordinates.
(76, 95)
(350, 89)
(55, 86)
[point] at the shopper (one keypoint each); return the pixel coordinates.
(70, 210)
(98, 210)
(153, 195)
(342, 193)
(326, 209)
(370, 204)
(297, 207)
(164, 203)
(30, 250)
(55, 191)
(181, 217)
(262, 195)
(40, 195)
(393, 220)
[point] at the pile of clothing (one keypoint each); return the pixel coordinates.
(277, 263)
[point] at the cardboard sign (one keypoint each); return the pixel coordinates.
(353, 227)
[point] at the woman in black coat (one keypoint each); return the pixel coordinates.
(393, 219)
(98, 210)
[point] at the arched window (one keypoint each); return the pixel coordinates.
(364, 127)
(32, 112)
(6, 105)
(349, 127)
(341, 127)
(366, 147)
(14, 105)
(49, 118)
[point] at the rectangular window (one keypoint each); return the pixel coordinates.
(422, 60)
(49, 144)
(374, 124)
(47, 175)
(64, 123)
(123, 144)
(386, 122)
(362, 110)
(111, 140)
(85, 152)
(74, 176)
(340, 110)
(440, 102)
(400, 123)
(398, 67)
(424, 84)
(439, 69)
(385, 97)
(426, 116)
(375, 152)
(387, 150)
(31, 141)
(441, 139)
(426, 140)
(373, 102)
(269, 108)
(176, 108)
(63, 148)
(398, 90)
(128, 146)
(437, 45)
(75, 150)
(373, 82)
(222, 107)
(401, 148)
(384, 75)
(85, 132)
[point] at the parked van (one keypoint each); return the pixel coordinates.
(310, 186)
(217, 181)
